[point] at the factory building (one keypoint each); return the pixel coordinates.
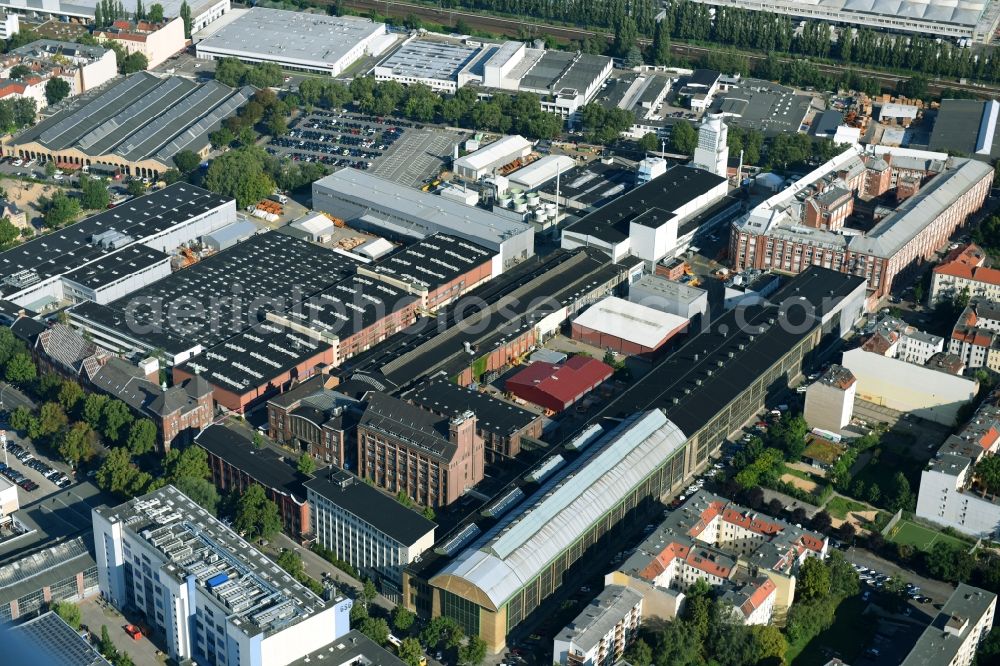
(367, 201)
(626, 327)
(489, 158)
(803, 224)
(114, 253)
(298, 41)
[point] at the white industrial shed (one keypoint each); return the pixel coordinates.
(501, 152)
(537, 174)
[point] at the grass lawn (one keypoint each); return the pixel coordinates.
(839, 507)
(920, 537)
(845, 639)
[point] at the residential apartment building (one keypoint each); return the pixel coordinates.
(976, 335)
(210, 596)
(957, 630)
(803, 224)
(602, 632)
(366, 527)
(950, 494)
(155, 41)
(403, 448)
(830, 399)
(82, 67)
(964, 268)
(754, 559)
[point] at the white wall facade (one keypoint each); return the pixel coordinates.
(829, 407)
(927, 393)
(942, 500)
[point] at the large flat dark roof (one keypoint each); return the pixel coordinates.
(369, 504)
(263, 465)
(651, 204)
(434, 261)
(116, 266)
(73, 246)
(415, 426)
(695, 383)
(957, 127)
(492, 415)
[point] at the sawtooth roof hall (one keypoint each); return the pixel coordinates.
(136, 124)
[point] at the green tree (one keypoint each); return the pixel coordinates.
(987, 472)
(813, 580)
(376, 628)
(118, 475)
(69, 612)
(649, 142)
(257, 517)
(291, 562)
(402, 618)
(411, 653)
(306, 464)
(769, 644)
(369, 591)
(77, 443)
(428, 513)
(948, 562)
(56, 90)
(187, 161)
(473, 652)
(240, 174)
(115, 419)
(683, 138)
(141, 437)
(60, 211)
(626, 36)
(156, 13)
(661, 44)
(93, 407)
(94, 193)
(19, 72)
(22, 420)
(49, 169)
(358, 613)
(185, 15)
(136, 187)
(844, 579)
(639, 653)
(221, 138)
(190, 462)
(20, 369)
(107, 646)
(201, 491)
(9, 234)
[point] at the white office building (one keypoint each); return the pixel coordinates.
(712, 151)
(365, 527)
(602, 632)
(213, 597)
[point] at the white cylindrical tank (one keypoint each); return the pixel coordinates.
(533, 199)
(520, 207)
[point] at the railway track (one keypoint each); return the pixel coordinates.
(512, 27)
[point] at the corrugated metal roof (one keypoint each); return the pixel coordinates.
(515, 551)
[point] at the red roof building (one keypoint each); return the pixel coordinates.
(557, 386)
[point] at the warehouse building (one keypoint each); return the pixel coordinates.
(976, 20)
(441, 65)
(626, 327)
(968, 126)
(368, 201)
(657, 219)
(113, 253)
(803, 225)
(493, 156)
(136, 125)
(236, 464)
(437, 269)
(49, 640)
(558, 386)
(313, 43)
(196, 573)
(659, 293)
(523, 306)
(365, 527)
(496, 578)
(49, 555)
(200, 306)
(501, 425)
(765, 106)
(229, 235)
(564, 81)
(542, 171)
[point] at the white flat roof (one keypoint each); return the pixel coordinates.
(277, 35)
(487, 155)
(542, 171)
(630, 321)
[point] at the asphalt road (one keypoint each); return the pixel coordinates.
(938, 591)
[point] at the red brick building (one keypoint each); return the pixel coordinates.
(627, 328)
(907, 204)
(403, 448)
(557, 387)
(236, 464)
(316, 419)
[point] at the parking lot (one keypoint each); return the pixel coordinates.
(420, 154)
(33, 476)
